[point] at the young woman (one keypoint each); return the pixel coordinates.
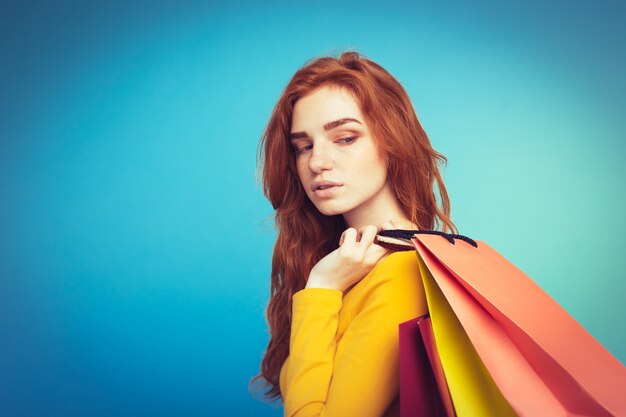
(344, 156)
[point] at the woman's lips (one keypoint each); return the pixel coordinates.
(327, 192)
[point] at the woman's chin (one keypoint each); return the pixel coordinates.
(330, 210)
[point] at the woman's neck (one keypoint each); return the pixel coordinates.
(377, 211)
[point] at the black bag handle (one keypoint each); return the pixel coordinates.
(408, 235)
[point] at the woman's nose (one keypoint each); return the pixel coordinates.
(320, 160)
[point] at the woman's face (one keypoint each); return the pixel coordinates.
(333, 144)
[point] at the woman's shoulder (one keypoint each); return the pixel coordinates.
(398, 258)
(398, 269)
(394, 286)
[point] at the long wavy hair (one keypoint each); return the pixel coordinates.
(304, 234)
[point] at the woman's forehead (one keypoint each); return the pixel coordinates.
(323, 105)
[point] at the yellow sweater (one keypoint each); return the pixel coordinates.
(343, 358)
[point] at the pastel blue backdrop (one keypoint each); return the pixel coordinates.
(135, 243)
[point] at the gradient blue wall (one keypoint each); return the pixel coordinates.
(135, 244)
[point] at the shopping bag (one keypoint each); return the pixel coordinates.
(423, 388)
(426, 332)
(543, 362)
(472, 389)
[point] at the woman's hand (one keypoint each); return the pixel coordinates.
(356, 255)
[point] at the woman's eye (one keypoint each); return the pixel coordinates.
(347, 140)
(302, 149)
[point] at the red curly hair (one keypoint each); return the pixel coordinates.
(304, 234)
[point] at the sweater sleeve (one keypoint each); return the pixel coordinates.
(358, 375)
(312, 348)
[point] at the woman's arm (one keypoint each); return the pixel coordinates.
(359, 374)
(312, 349)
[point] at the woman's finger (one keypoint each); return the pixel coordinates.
(386, 226)
(377, 252)
(348, 236)
(369, 233)
(397, 225)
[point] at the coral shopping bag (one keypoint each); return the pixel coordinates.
(472, 389)
(543, 361)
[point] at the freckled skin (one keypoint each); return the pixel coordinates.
(365, 197)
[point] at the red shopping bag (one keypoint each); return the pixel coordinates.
(423, 388)
(541, 359)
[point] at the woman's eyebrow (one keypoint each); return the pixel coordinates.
(327, 126)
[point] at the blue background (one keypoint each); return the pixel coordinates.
(135, 243)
